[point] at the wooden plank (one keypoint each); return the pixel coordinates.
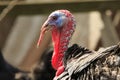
(24, 7)
(26, 2)
(95, 27)
(116, 18)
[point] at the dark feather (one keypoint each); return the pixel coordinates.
(83, 64)
(43, 70)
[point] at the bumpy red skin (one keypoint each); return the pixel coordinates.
(57, 55)
(60, 45)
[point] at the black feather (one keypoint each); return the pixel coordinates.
(84, 64)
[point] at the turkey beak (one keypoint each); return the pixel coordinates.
(44, 29)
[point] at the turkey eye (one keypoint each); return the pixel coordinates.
(54, 18)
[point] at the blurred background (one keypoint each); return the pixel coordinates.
(98, 25)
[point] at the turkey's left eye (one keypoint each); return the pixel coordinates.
(54, 18)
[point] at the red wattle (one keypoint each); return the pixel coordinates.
(57, 57)
(57, 61)
(60, 70)
(59, 37)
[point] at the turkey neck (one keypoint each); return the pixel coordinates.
(61, 38)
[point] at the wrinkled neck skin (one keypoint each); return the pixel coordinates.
(60, 39)
(58, 52)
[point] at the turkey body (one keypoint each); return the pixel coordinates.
(83, 64)
(44, 70)
(76, 62)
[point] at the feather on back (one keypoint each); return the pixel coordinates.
(83, 64)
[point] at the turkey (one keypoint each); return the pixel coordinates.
(76, 62)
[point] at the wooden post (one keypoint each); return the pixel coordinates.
(109, 34)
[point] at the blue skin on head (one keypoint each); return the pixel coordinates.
(57, 19)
